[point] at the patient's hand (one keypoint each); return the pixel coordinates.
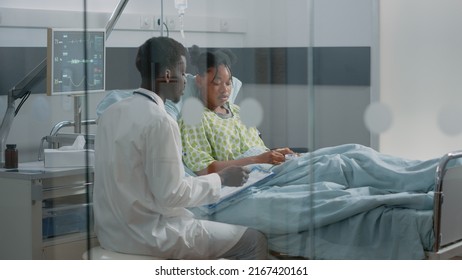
(272, 157)
(284, 151)
(234, 176)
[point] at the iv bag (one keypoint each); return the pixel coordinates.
(181, 5)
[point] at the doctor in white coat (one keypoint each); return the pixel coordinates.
(141, 192)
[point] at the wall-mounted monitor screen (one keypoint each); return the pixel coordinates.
(76, 61)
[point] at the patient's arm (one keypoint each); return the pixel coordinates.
(272, 157)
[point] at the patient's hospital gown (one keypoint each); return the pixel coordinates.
(217, 138)
(343, 202)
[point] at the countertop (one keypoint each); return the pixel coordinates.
(37, 170)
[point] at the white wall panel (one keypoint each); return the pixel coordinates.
(421, 66)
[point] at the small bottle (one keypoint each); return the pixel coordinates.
(11, 156)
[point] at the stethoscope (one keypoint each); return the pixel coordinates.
(145, 95)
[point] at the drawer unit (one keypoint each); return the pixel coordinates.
(66, 219)
(48, 212)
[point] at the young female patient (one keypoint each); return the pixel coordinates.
(221, 139)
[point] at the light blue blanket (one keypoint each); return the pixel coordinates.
(344, 202)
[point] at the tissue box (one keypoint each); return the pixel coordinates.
(68, 158)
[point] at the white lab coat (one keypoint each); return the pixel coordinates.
(141, 191)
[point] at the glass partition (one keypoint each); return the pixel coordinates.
(295, 85)
(305, 94)
(47, 197)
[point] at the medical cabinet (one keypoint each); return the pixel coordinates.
(46, 213)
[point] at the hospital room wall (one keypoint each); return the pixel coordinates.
(338, 108)
(261, 24)
(420, 74)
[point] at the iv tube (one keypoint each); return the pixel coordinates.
(181, 5)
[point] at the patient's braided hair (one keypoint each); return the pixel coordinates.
(207, 60)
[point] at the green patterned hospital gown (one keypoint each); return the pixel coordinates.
(217, 138)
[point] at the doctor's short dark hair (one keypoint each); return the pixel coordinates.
(160, 52)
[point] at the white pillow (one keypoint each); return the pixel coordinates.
(173, 109)
(112, 97)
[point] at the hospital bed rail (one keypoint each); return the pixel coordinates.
(447, 235)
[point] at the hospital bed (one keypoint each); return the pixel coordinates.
(393, 230)
(447, 206)
(446, 229)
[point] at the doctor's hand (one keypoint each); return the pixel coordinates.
(234, 176)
